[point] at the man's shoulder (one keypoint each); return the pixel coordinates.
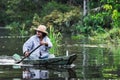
(33, 37)
(46, 37)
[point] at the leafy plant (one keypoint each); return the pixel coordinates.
(53, 5)
(61, 21)
(56, 40)
(115, 17)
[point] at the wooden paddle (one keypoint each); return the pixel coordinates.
(28, 55)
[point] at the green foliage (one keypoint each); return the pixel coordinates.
(106, 19)
(79, 28)
(114, 33)
(77, 37)
(94, 3)
(107, 7)
(61, 21)
(51, 6)
(56, 38)
(35, 23)
(17, 29)
(20, 11)
(111, 36)
(115, 17)
(36, 20)
(108, 22)
(65, 16)
(95, 23)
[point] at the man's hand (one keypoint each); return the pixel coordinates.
(43, 43)
(26, 53)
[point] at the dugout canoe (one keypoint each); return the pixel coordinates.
(62, 60)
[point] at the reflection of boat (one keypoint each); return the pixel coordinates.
(52, 72)
(63, 60)
(31, 73)
(46, 73)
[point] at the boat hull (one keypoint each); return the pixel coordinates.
(64, 60)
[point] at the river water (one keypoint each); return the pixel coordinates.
(94, 61)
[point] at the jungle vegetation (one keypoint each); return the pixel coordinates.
(66, 16)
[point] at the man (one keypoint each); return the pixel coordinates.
(40, 38)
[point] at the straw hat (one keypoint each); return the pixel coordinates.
(41, 28)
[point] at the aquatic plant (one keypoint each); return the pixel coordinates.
(56, 40)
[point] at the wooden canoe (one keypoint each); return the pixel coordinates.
(63, 60)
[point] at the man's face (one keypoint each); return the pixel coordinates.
(39, 33)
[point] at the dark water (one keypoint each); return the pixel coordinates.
(93, 62)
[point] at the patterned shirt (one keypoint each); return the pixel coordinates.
(32, 43)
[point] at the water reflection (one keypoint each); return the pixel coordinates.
(93, 62)
(31, 73)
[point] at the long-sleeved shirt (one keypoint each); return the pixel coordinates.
(32, 43)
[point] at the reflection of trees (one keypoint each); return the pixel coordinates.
(114, 55)
(112, 60)
(92, 62)
(85, 61)
(10, 45)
